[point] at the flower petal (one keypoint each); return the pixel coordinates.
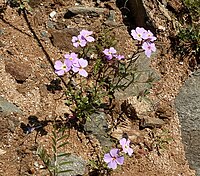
(106, 51)
(107, 158)
(90, 39)
(148, 53)
(74, 55)
(112, 164)
(83, 43)
(82, 72)
(145, 46)
(58, 65)
(130, 151)
(60, 72)
(74, 39)
(114, 152)
(86, 32)
(109, 56)
(83, 63)
(120, 160)
(140, 30)
(153, 47)
(68, 63)
(128, 142)
(135, 35)
(122, 142)
(75, 44)
(112, 50)
(75, 69)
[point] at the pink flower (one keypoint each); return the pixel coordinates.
(78, 41)
(138, 33)
(79, 67)
(110, 53)
(61, 68)
(149, 48)
(71, 58)
(119, 57)
(85, 34)
(149, 36)
(113, 158)
(125, 146)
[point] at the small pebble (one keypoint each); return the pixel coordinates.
(52, 14)
(36, 164)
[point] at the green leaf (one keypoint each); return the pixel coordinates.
(54, 141)
(64, 136)
(63, 154)
(54, 148)
(62, 130)
(61, 145)
(65, 171)
(65, 163)
(54, 134)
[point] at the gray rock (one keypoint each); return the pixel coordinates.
(187, 104)
(149, 122)
(87, 10)
(111, 19)
(1, 31)
(7, 108)
(76, 164)
(97, 125)
(142, 73)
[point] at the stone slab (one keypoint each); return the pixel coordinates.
(187, 104)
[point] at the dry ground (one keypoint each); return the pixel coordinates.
(20, 46)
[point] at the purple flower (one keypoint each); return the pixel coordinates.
(125, 146)
(79, 67)
(85, 34)
(110, 53)
(138, 33)
(148, 47)
(148, 36)
(79, 40)
(113, 158)
(71, 58)
(61, 68)
(119, 57)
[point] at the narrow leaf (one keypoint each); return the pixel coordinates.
(54, 148)
(65, 171)
(54, 141)
(63, 154)
(61, 145)
(61, 130)
(65, 163)
(64, 136)
(54, 134)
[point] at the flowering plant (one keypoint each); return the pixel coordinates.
(106, 70)
(113, 157)
(95, 73)
(146, 38)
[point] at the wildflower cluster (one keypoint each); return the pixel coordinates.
(76, 64)
(72, 62)
(147, 38)
(113, 157)
(82, 38)
(111, 52)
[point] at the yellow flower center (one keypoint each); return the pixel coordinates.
(64, 67)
